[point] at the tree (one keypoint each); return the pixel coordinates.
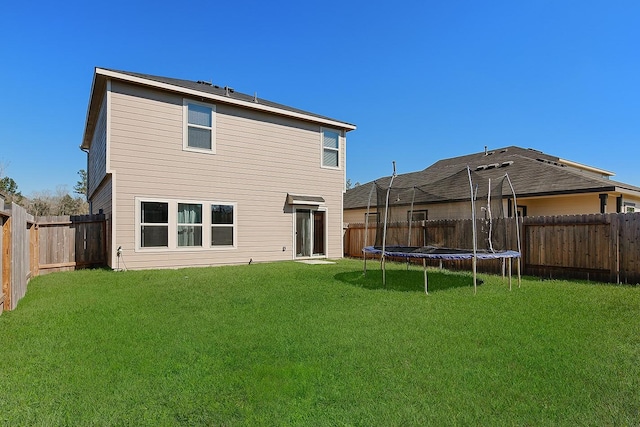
(350, 186)
(10, 189)
(81, 185)
(44, 203)
(39, 206)
(67, 205)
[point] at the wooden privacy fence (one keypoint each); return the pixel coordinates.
(17, 264)
(33, 246)
(70, 242)
(602, 247)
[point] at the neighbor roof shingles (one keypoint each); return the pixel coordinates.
(532, 173)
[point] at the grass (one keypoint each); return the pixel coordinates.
(295, 344)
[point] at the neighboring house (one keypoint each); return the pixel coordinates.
(192, 174)
(544, 185)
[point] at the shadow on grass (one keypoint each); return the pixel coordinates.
(402, 280)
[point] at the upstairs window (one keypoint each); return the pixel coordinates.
(199, 133)
(330, 148)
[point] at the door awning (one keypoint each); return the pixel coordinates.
(298, 199)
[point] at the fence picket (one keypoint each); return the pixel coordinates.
(602, 247)
(30, 247)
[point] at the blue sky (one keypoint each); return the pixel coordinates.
(422, 80)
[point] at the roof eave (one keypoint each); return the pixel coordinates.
(95, 97)
(609, 189)
(221, 99)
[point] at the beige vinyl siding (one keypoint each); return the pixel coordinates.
(568, 205)
(102, 198)
(97, 162)
(459, 210)
(259, 159)
(575, 204)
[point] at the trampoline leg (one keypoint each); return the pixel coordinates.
(364, 273)
(518, 268)
(384, 272)
(424, 267)
(510, 262)
(475, 283)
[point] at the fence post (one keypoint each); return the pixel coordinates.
(614, 239)
(34, 250)
(6, 263)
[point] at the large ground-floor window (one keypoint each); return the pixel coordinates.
(185, 224)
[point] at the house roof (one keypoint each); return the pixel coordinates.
(532, 173)
(199, 89)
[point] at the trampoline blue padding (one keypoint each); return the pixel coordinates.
(432, 252)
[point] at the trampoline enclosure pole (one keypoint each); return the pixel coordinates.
(515, 210)
(424, 267)
(384, 230)
(410, 219)
(366, 228)
(473, 223)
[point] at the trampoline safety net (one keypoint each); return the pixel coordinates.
(406, 211)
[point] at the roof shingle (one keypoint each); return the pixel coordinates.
(532, 172)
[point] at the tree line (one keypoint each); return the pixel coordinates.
(47, 202)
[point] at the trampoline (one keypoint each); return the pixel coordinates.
(388, 244)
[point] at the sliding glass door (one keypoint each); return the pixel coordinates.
(310, 233)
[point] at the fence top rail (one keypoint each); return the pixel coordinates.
(68, 219)
(578, 219)
(583, 219)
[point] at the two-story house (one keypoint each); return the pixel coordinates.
(192, 174)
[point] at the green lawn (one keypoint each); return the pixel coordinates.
(295, 344)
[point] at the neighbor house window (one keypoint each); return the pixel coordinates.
(421, 215)
(189, 224)
(199, 125)
(222, 225)
(330, 148)
(154, 224)
(371, 217)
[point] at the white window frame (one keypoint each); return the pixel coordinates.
(629, 207)
(186, 125)
(337, 150)
(187, 224)
(173, 225)
(311, 208)
(140, 224)
(234, 225)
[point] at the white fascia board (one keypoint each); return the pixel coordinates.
(86, 120)
(585, 167)
(223, 99)
(627, 191)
